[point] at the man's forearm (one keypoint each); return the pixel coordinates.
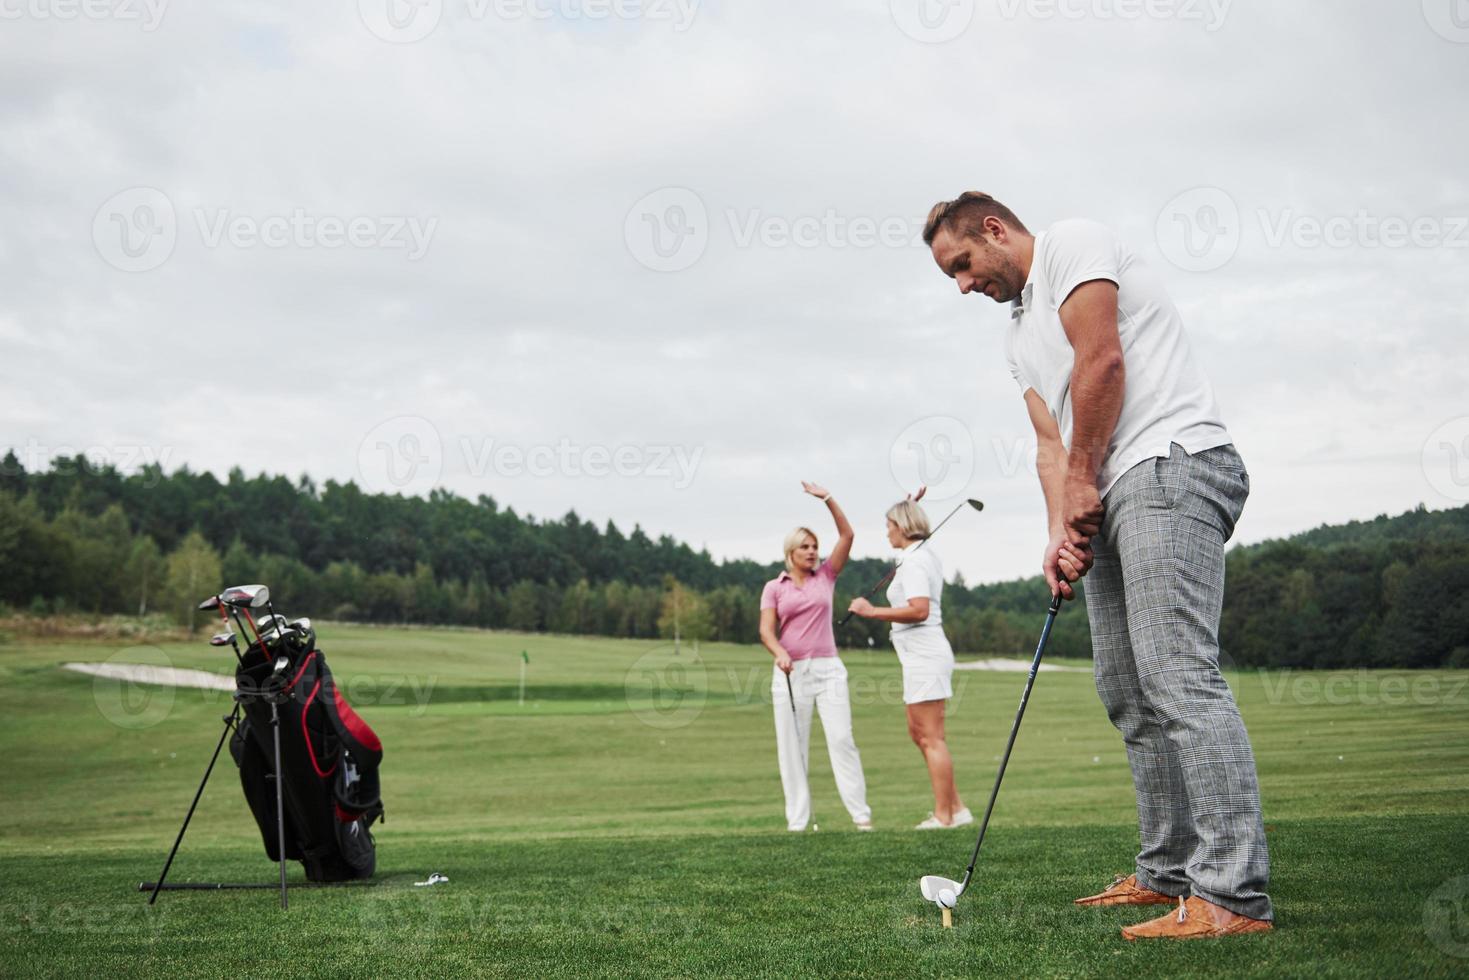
(1050, 466)
(1097, 387)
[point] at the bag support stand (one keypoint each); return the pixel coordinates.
(231, 720)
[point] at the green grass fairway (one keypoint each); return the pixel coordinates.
(627, 819)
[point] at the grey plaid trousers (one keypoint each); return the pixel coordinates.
(1153, 598)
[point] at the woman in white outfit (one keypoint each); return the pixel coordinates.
(795, 626)
(924, 652)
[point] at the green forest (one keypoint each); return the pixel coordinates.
(1393, 591)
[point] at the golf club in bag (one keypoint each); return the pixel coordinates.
(945, 892)
(291, 728)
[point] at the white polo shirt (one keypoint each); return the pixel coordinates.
(1167, 398)
(920, 575)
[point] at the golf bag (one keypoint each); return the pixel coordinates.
(329, 758)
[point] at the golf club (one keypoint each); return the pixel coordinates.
(228, 636)
(800, 750)
(976, 504)
(945, 892)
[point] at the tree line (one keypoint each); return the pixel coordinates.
(1388, 592)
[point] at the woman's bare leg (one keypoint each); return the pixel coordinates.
(926, 727)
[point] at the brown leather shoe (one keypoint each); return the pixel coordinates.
(1125, 891)
(1196, 918)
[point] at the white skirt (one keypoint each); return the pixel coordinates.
(928, 664)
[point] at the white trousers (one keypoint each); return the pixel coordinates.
(820, 682)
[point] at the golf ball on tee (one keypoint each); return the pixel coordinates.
(947, 899)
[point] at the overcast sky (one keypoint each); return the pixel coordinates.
(658, 262)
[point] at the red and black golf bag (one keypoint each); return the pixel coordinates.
(329, 758)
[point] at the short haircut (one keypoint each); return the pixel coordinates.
(910, 518)
(965, 215)
(794, 540)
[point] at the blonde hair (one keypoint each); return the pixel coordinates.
(910, 518)
(794, 540)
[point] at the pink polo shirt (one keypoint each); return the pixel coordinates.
(803, 612)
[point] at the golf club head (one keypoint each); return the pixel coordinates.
(222, 639)
(211, 603)
(303, 624)
(245, 596)
(931, 885)
(272, 624)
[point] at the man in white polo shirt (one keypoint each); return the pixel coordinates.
(1142, 488)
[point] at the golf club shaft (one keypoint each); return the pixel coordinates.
(1035, 666)
(894, 570)
(280, 798)
(800, 753)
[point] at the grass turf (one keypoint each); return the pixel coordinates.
(627, 819)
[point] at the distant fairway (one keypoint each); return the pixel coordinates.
(628, 818)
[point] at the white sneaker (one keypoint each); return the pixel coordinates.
(864, 826)
(934, 823)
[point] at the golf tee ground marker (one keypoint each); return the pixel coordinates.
(948, 919)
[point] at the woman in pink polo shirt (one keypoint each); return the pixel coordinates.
(795, 626)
